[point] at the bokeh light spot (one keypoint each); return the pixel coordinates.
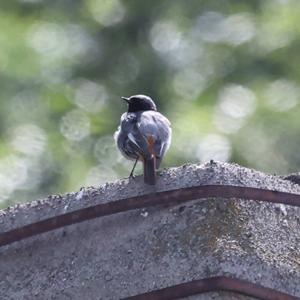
(106, 12)
(75, 125)
(54, 41)
(165, 37)
(13, 174)
(29, 139)
(235, 29)
(189, 84)
(282, 95)
(235, 104)
(237, 101)
(208, 26)
(214, 146)
(100, 174)
(31, 1)
(238, 28)
(89, 95)
(105, 149)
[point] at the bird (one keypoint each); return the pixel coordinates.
(144, 134)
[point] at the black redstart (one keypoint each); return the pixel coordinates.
(144, 134)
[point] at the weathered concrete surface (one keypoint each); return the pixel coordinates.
(134, 252)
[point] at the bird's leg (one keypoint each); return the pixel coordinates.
(131, 173)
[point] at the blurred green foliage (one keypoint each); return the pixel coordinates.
(226, 73)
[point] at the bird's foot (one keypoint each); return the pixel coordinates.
(131, 176)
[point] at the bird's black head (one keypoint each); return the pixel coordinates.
(139, 103)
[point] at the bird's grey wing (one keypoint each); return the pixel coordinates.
(128, 137)
(127, 124)
(164, 140)
(155, 125)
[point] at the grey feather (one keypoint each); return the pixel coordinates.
(131, 136)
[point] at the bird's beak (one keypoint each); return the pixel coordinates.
(125, 99)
